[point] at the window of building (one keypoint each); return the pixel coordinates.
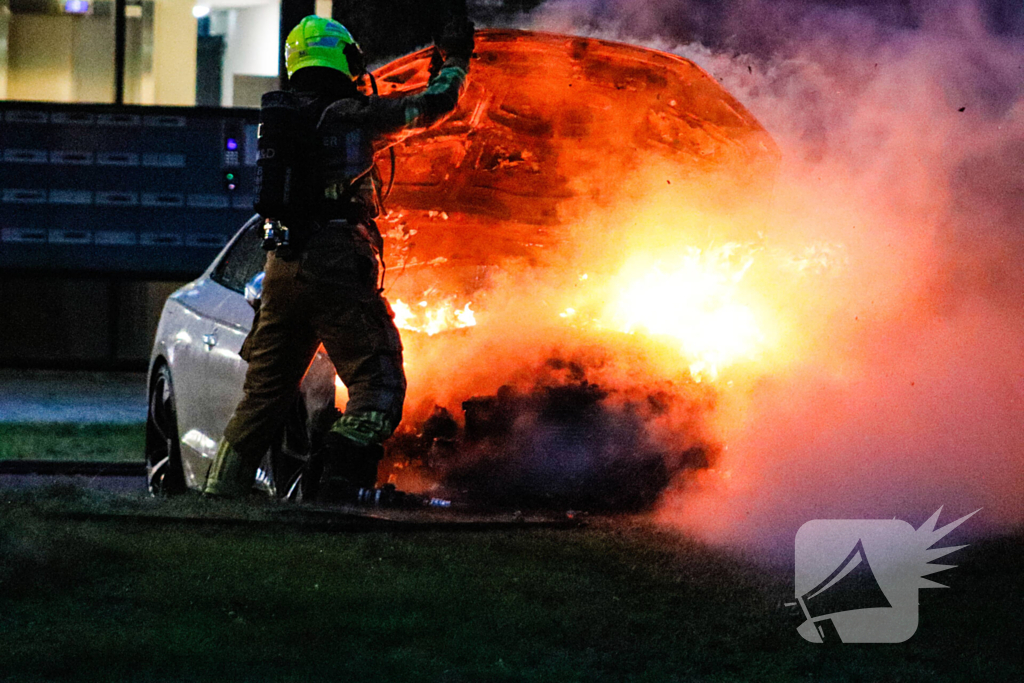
(177, 52)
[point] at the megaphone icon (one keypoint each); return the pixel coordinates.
(851, 586)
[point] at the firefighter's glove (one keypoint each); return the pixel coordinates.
(457, 39)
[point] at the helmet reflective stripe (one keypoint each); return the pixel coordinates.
(321, 42)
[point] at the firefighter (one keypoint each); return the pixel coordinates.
(322, 286)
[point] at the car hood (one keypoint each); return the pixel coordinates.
(547, 126)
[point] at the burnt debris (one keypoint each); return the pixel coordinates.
(572, 445)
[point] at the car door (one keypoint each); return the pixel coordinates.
(201, 348)
(230, 323)
(186, 324)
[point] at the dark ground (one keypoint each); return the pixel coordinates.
(127, 599)
(619, 600)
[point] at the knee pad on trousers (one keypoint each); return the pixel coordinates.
(365, 429)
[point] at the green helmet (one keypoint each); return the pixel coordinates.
(322, 42)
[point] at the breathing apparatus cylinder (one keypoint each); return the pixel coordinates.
(280, 181)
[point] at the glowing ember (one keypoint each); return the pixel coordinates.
(696, 303)
(422, 317)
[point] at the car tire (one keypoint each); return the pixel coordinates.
(164, 473)
(288, 460)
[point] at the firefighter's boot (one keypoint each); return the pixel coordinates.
(348, 467)
(231, 475)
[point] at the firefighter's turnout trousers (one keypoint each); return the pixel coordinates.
(327, 293)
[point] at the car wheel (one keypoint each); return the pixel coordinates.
(164, 473)
(286, 465)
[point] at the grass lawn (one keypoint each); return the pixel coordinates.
(79, 442)
(616, 601)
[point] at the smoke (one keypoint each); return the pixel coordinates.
(568, 443)
(554, 415)
(896, 381)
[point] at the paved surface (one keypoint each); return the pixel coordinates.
(132, 485)
(81, 397)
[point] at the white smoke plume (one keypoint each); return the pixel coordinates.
(901, 388)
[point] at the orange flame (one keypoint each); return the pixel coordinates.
(698, 303)
(432, 319)
(701, 302)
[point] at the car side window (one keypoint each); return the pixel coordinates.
(245, 258)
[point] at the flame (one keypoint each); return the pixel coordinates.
(701, 301)
(340, 394)
(697, 303)
(432, 320)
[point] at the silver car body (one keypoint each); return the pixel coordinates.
(199, 337)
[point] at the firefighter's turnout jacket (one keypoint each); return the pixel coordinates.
(327, 290)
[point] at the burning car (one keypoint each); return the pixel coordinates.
(550, 129)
